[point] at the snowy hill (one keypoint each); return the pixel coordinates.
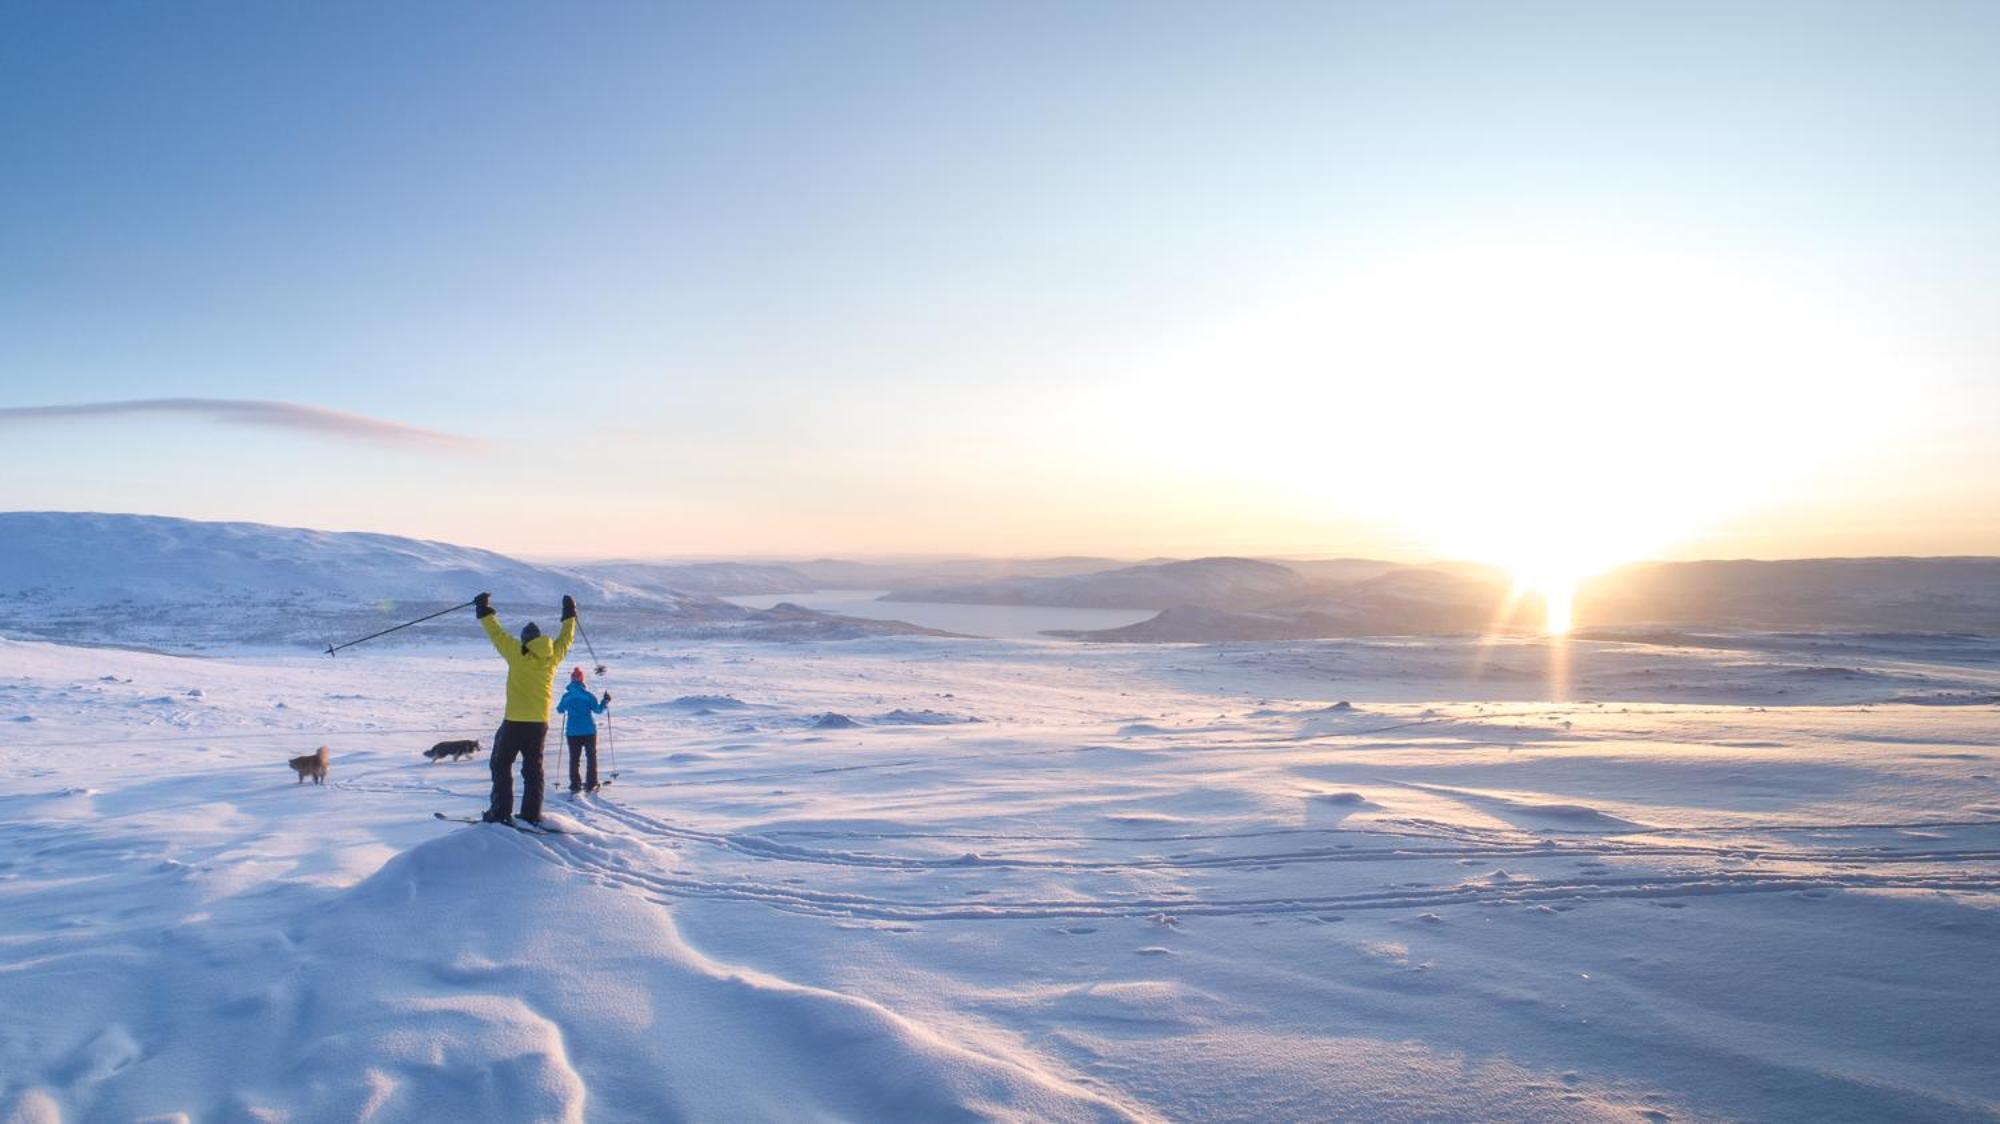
(710, 579)
(1215, 583)
(1887, 594)
(73, 558)
(1920, 594)
(836, 573)
(1411, 601)
(728, 578)
(180, 583)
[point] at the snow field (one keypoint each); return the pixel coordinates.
(1032, 881)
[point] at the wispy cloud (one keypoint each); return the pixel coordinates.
(250, 411)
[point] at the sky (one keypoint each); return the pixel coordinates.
(1549, 285)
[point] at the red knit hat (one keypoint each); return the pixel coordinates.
(576, 675)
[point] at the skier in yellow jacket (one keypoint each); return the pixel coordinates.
(531, 668)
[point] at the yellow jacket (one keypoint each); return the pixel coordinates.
(530, 674)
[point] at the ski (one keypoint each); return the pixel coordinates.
(518, 825)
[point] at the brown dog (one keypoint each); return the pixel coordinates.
(311, 765)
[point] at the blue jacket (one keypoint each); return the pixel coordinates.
(577, 704)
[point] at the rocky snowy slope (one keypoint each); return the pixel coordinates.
(1392, 881)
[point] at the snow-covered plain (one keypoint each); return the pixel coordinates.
(1744, 877)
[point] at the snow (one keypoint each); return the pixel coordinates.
(1224, 599)
(1016, 622)
(1225, 583)
(101, 559)
(186, 585)
(1507, 881)
(183, 585)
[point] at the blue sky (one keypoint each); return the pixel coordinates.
(919, 277)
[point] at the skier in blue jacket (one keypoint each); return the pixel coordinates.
(577, 705)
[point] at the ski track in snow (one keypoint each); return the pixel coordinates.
(1145, 883)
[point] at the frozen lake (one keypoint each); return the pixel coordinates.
(1006, 622)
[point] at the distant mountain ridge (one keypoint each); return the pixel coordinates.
(173, 583)
(165, 582)
(1814, 594)
(1949, 594)
(730, 578)
(712, 579)
(1216, 583)
(106, 559)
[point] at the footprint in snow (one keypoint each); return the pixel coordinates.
(105, 1056)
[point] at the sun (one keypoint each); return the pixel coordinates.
(1552, 407)
(1560, 602)
(1550, 546)
(1557, 595)
(1553, 581)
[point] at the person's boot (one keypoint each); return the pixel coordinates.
(489, 817)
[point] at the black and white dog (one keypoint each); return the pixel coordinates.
(453, 750)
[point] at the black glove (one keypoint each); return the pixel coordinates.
(607, 698)
(569, 606)
(480, 606)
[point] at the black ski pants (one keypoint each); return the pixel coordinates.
(523, 740)
(580, 744)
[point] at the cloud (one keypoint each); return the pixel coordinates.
(250, 411)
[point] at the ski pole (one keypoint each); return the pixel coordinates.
(610, 746)
(332, 648)
(596, 664)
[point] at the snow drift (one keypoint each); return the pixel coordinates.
(449, 984)
(1386, 880)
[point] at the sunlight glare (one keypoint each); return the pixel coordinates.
(1553, 409)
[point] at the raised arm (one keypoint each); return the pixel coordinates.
(490, 621)
(566, 635)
